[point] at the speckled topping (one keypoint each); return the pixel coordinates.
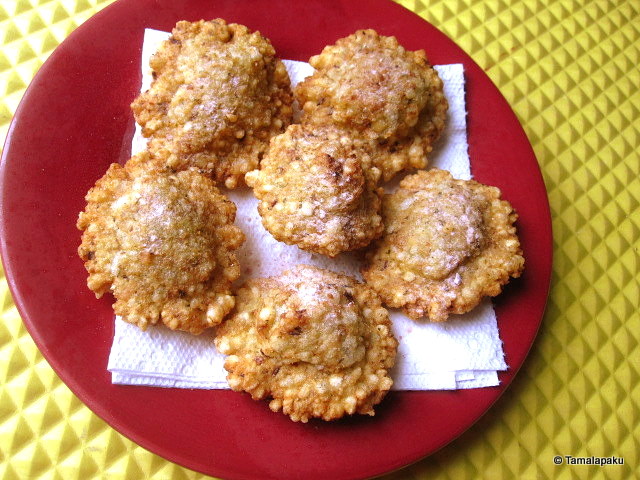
(447, 244)
(386, 95)
(217, 97)
(316, 343)
(318, 190)
(163, 244)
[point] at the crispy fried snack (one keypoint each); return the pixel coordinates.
(218, 96)
(317, 343)
(163, 244)
(317, 190)
(391, 98)
(447, 244)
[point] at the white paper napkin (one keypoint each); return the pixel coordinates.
(465, 352)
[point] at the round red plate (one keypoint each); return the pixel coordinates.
(75, 120)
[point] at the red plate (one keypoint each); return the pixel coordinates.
(75, 120)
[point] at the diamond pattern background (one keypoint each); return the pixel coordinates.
(569, 70)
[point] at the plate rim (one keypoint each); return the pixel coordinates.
(21, 300)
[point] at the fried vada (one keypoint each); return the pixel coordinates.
(316, 343)
(218, 95)
(447, 244)
(389, 98)
(318, 190)
(163, 244)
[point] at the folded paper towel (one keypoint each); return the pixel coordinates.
(465, 352)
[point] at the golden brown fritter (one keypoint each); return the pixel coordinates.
(391, 98)
(447, 244)
(164, 244)
(317, 190)
(218, 96)
(317, 343)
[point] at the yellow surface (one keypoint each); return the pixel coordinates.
(570, 71)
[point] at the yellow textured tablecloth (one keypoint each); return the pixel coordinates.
(570, 71)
